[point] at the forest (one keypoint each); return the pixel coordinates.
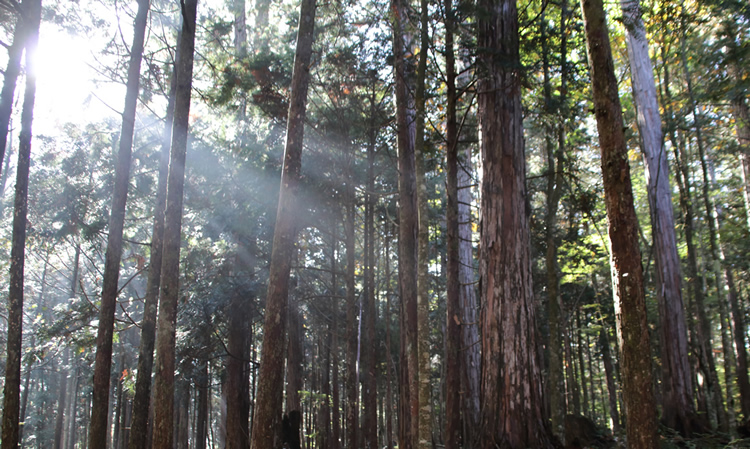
(413, 224)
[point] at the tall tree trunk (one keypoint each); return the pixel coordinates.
(335, 402)
(703, 328)
(715, 265)
(169, 287)
(369, 359)
(625, 258)
(237, 386)
(270, 383)
(678, 411)
(408, 434)
(423, 235)
(12, 387)
(609, 372)
(742, 126)
(555, 385)
(513, 412)
(470, 358)
(103, 364)
(62, 394)
(294, 361)
(453, 287)
(202, 423)
(388, 354)
(142, 398)
(352, 409)
(10, 76)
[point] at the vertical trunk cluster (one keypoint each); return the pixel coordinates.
(12, 387)
(142, 397)
(452, 307)
(369, 361)
(408, 230)
(164, 389)
(237, 382)
(352, 409)
(270, 384)
(625, 259)
(678, 410)
(423, 235)
(513, 405)
(103, 363)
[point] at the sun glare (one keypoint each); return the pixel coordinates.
(67, 90)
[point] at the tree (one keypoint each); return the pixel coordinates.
(513, 412)
(625, 257)
(452, 306)
(408, 433)
(12, 387)
(268, 403)
(164, 387)
(142, 398)
(678, 410)
(103, 363)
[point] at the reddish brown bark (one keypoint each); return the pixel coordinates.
(407, 215)
(268, 404)
(164, 388)
(12, 387)
(142, 398)
(625, 259)
(512, 414)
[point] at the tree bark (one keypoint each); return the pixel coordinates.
(164, 389)
(678, 411)
(142, 398)
(12, 387)
(369, 356)
(408, 227)
(424, 417)
(270, 384)
(237, 386)
(453, 287)
(625, 257)
(513, 412)
(556, 384)
(103, 363)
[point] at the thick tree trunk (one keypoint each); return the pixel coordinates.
(625, 259)
(513, 412)
(270, 384)
(142, 398)
(408, 230)
(12, 387)
(103, 363)
(388, 354)
(678, 411)
(453, 287)
(169, 288)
